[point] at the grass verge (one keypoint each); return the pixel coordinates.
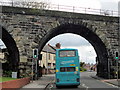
(3, 79)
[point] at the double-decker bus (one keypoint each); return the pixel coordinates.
(67, 67)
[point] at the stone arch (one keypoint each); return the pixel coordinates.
(12, 49)
(96, 42)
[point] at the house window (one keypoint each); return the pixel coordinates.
(49, 65)
(53, 64)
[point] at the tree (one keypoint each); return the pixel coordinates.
(82, 64)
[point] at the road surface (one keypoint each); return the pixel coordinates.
(87, 83)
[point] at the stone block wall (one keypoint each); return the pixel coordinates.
(29, 28)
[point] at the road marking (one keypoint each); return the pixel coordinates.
(51, 86)
(85, 86)
(50, 83)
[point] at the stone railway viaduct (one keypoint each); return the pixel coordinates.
(24, 29)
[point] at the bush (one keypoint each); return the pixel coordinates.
(7, 73)
(82, 69)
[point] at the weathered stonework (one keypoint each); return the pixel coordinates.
(30, 28)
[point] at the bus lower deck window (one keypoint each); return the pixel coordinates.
(67, 69)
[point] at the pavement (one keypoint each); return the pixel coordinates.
(115, 82)
(40, 84)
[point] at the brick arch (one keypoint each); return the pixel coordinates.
(82, 30)
(13, 51)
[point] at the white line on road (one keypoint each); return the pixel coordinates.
(85, 86)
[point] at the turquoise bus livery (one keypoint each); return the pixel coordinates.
(67, 67)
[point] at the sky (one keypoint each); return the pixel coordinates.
(2, 45)
(95, 4)
(86, 51)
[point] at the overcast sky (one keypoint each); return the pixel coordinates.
(86, 51)
(95, 4)
(69, 40)
(2, 45)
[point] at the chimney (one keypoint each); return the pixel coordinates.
(58, 45)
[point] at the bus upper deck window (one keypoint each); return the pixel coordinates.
(67, 53)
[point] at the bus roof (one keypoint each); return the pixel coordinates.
(67, 49)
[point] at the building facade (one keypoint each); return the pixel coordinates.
(48, 60)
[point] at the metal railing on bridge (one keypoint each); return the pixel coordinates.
(48, 6)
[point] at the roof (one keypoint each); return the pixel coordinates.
(48, 49)
(53, 47)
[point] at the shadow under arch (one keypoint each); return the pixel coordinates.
(96, 42)
(12, 49)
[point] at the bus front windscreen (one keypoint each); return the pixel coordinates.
(67, 53)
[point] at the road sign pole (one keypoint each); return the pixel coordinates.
(117, 70)
(32, 70)
(36, 69)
